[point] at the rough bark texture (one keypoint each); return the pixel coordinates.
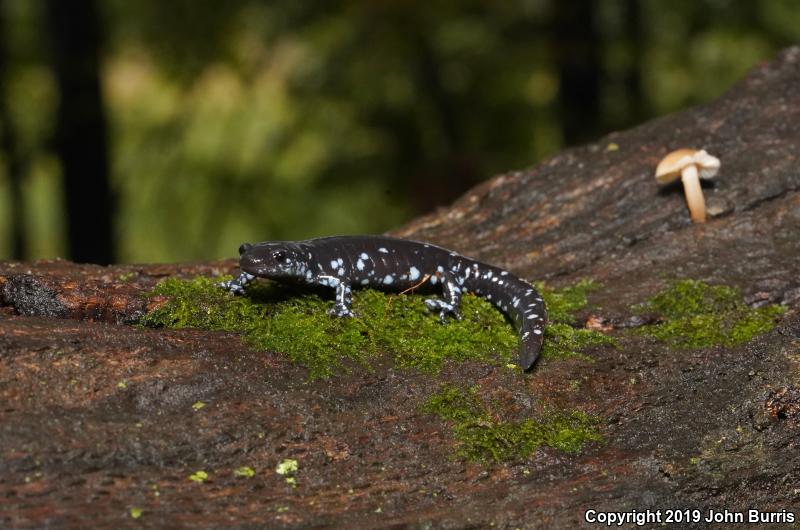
(705, 428)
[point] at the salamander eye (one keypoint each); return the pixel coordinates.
(279, 255)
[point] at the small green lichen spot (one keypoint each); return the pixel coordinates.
(197, 405)
(199, 476)
(136, 513)
(287, 466)
(699, 315)
(244, 472)
(482, 437)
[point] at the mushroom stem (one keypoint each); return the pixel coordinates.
(694, 193)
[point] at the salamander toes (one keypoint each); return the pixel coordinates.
(238, 285)
(231, 287)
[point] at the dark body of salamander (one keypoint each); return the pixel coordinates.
(347, 262)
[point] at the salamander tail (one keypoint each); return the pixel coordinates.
(531, 341)
(526, 308)
(524, 305)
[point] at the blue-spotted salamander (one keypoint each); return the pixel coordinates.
(387, 263)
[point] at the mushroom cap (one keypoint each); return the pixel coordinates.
(671, 166)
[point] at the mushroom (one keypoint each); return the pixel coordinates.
(692, 165)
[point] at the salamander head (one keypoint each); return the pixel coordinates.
(276, 260)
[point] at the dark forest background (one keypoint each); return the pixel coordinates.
(174, 130)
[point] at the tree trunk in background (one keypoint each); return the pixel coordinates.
(8, 145)
(80, 138)
(577, 46)
(441, 179)
(633, 77)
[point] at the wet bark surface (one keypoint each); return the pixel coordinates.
(97, 417)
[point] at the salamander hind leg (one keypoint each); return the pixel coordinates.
(444, 308)
(451, 305)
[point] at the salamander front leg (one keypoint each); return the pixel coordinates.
(344, 301)
(238, 285)
(451, 303)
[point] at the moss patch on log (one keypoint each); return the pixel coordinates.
(277, 318)
(483, 436)
(698, 315)
(562, 337)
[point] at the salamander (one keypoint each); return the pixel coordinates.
(347, 262)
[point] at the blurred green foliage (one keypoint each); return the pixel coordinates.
(252, 120)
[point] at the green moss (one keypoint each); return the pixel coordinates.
(563, 303)
(561, 337)
(297, 324)
(199, 303)
(482, 437)
(420, 341)
(698, 315)
(562, 340)
(507, 441)
(453, 404)
(272, 317)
